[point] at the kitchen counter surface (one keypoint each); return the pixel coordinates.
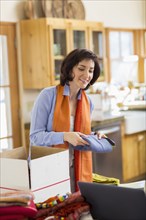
(109, 117)
(134, 120)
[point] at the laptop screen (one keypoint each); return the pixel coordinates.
(110, 202)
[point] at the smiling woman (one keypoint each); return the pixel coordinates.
(10, 132)
(62, 114)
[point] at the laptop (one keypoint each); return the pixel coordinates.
(110, 202)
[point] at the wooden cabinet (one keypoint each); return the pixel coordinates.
(134, 156)
(45, 42)
(34, 54)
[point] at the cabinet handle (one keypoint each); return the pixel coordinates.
(140, 137)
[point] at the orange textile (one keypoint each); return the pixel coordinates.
(61, 122)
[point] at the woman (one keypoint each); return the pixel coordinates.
(61, 114)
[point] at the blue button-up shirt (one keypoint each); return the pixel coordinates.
(41, 133)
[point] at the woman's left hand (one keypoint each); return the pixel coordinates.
(100, 135)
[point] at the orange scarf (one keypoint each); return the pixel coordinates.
(61, 123)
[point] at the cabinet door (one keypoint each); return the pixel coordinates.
(59, 50)
(35, 54)
(78, 35)
(58, 43)
(97, 47)
(130, 157)
(79, 39)
(97, 42)
(141, 139)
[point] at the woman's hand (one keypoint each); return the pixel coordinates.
(75, 138)
(100, 135)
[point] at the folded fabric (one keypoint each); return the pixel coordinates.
(102, 145)
(25, 211)
(104, 179)
(12, 217)
(21, 197)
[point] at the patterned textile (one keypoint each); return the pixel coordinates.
(69, 209)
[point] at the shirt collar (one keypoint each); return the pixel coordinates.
(66, 92)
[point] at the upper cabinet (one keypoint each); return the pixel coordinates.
(35, 55)
(45, 42)
(97, 44)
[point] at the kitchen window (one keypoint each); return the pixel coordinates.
(10, 127)
(123, 61)
(124, 54)
(6, 140)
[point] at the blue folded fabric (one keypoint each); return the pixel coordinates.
(102, 145)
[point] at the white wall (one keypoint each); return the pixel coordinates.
(117, 13)
(114, 13)
(11, 10)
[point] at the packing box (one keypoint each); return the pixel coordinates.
(46, 175)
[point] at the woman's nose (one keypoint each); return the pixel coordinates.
(87, 73)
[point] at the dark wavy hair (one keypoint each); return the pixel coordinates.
(72, 59)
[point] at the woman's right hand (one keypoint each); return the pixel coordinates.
(75, 138)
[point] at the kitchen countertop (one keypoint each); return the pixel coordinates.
(108, 117)
(134, 120)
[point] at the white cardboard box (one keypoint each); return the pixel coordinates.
(49, 171)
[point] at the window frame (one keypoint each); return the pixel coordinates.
(139, 48)
(8, 29)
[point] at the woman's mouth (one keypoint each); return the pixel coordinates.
(84, 81)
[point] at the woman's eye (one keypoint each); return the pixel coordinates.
(81, 69)
(91, 71)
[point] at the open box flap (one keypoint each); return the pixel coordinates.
(11, 169)
(16, 153)
(14, 166)
(42, 151)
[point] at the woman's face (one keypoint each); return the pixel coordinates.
(83, 73)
